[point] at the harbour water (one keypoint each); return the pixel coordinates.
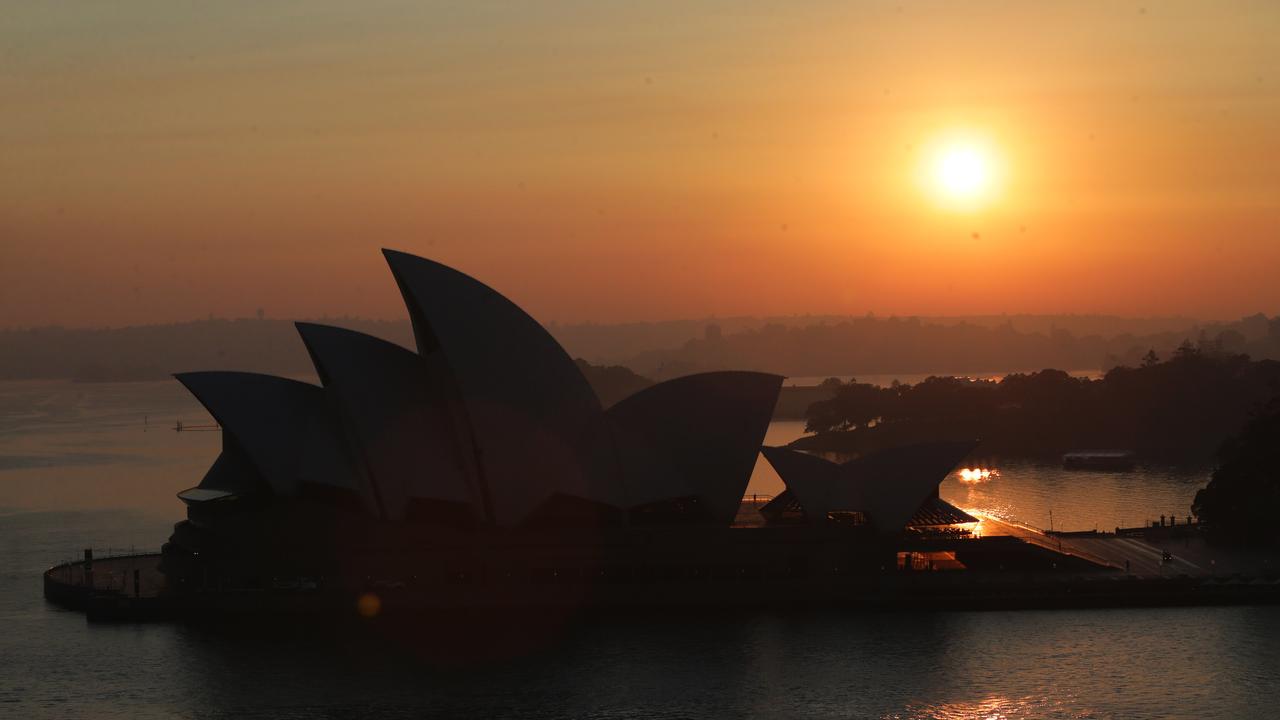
(98, 465)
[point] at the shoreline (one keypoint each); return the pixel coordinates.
(64, 586)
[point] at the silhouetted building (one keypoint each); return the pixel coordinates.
(482, 469)
(888, 491)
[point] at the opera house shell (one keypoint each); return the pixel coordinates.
(489, 429)
(482, 469)
(888, 491)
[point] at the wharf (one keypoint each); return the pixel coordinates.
(126, 585)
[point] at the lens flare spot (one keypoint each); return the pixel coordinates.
(369, 605)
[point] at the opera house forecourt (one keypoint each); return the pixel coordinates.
(482, 471)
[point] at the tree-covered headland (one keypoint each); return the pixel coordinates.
(1240, 500)
(1176, 410)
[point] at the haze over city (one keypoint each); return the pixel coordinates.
(602, 163)
(908, 359)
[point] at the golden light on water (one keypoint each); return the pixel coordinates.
(962, 171)
(977, 475)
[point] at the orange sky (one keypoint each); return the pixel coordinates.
(596, 162)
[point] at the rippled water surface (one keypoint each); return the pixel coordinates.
(79, 467)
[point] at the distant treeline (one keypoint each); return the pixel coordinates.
(793, 346)
(1180, 409)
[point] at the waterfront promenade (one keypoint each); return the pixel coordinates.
(1132, 570)
(1141, 552)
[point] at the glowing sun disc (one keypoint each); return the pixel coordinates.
(961, 173)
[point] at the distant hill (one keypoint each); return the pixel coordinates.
(624, 342)
(150, 352)
(875, 346)
(793, 346)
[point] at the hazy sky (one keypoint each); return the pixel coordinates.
(618, 161)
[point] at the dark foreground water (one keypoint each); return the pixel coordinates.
(77, 468)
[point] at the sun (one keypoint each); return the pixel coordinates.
(962, 172)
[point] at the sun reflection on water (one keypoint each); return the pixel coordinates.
(996, 708)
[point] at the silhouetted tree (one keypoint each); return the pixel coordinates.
(853, 405)
(1239, 502)
(1186, 351)
(1230, 341)
(612, 382)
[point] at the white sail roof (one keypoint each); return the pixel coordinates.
(396, 411)
(536, 426)
(277, 423)
(887, 486)
(894, 483)
(697, 435)
(813, 481)
(232, 474)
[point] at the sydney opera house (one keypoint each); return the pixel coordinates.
(483, 470)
